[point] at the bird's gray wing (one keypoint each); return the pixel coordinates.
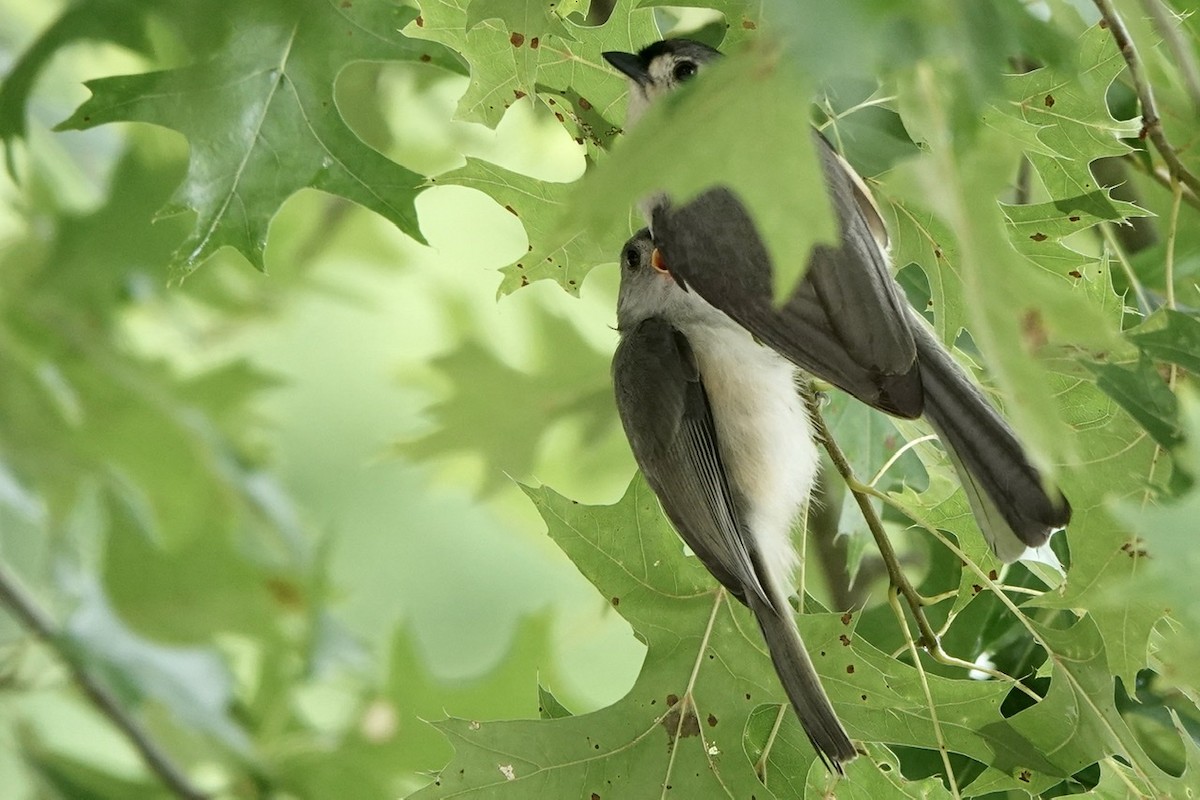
(846, 322)
(667, 419)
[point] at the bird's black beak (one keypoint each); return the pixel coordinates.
(627, 64)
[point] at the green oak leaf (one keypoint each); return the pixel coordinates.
(536, 203)
(1078, 723)
(262, 121)
(529, 23)
(694, 719)
(502, 62)
(507, 422)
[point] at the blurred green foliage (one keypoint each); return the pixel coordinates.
(279, 515)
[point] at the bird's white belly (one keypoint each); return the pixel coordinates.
(765, 436)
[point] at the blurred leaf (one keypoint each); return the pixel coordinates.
(119, 21)
(275, 79)
(1142, 392)
(697, 138)
(506, 423)
(70, 779)
(389, 739)
(1170, 336)
(192, 682)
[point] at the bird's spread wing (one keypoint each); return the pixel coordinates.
(847, 321)
(668, 421)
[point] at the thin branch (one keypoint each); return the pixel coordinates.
(1167, 24)
(861, 496)
(1122, 259)
(1161, 177)
(943, 750)
(1151, 122)
(899, 582)
(36, 619)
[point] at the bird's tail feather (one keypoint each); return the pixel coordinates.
(1011, 501)
(800, 681)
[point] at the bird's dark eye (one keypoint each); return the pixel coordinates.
(631, 258)
(684, 70)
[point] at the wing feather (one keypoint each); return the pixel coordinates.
(668, 421)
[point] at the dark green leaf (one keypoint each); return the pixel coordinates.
(1143, 393)
(275, 80)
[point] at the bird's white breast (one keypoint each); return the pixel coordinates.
(764, 431)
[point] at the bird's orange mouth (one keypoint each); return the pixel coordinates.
(658, 262)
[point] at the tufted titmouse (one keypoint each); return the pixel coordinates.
(723, 437)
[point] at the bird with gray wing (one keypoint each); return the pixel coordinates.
(847, 322)
(723, 437)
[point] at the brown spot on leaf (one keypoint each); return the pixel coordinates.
(1038, 237)
(993, 575)
(517, 93)
(687, 725)
(286, 593)
(524, 281)
(1049, 101)
(1034, 328)
(937, 252)
(616, 601)
(584, 104)
(425, 57)
(849, 669)
(1025, 775)
(1076, 274)
(1103, 24)
(346, 4)
(420, 22)
(533, 43)
(845, 640)
(558, 116)
(976, 588)
(517, 39)
(1074, 218)
(595, 796)
(749, 25)
(712, 721)
(512, 211)
(672, 699)
(864, 697)
(846, 618)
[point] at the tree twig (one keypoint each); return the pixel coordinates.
(36, 619)
(861, 495)
(1151, 122)
(1161, 178)
(1164, 20)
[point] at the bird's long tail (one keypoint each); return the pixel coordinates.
(800, 680)
(1009, 497)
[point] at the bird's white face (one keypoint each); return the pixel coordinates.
(667, 71)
